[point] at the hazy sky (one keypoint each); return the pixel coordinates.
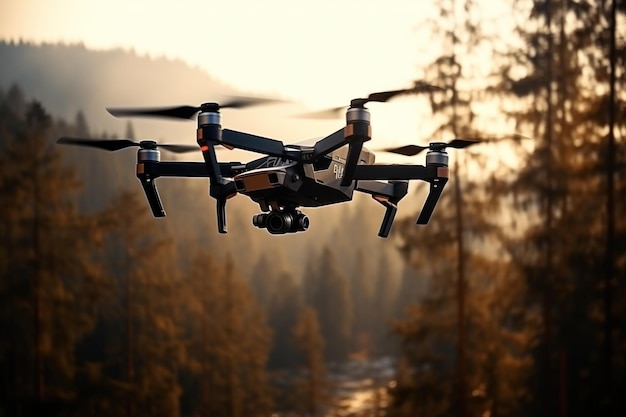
(321, 52)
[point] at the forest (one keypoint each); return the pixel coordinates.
(107, 315)
(511, 302)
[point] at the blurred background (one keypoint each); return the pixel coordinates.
(510, 302)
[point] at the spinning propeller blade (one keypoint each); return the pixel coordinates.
(459, 143)
(380, 97)
(383, 96)
(188, 112)
(117, 144)
(180, 112)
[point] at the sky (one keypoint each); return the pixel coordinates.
(319, 53)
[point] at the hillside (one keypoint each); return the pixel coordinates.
(71, 78)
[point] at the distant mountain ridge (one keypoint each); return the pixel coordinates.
(68, 79)
(71, 78)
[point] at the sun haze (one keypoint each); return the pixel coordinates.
(321, 53)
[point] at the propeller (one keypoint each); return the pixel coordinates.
(117, 144)
(380, 97)
(188, 112)
(458, 143)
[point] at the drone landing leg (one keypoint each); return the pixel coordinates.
(152, 195)
(221, 215)
(221, 193)
(147, 163)
(390, 214)
(436, 188)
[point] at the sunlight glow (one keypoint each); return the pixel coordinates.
(320, 54)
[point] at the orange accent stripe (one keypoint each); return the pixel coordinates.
(204, 148)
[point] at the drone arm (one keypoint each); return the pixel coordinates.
(435, 174)
(354, 153)
(195, 169)
(374, 188)
(393, 172)
(354, 134)
(211, 134)
(149, 171)
(207, 137)
(329, 143)
(253, 143)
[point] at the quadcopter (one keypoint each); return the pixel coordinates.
(311, 173)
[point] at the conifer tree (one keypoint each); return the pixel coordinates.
(331, 300)
(51, 284)
(450, 249)
(562, 185)
(139, 321)
(263, 280)
(312, 389)
(229, 341)
(383, 305)
(283, 309)
(362, 293)
(412, 288)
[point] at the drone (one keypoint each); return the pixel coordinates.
(288, 177)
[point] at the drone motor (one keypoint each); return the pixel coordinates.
(437, 155)
(148, 152)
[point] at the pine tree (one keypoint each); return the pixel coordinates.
(82, 128)
(412, 289)
(230, 341)
(562, 184)
(283, 309)
(449, 250)
(137, 325)
(383, 302)
(263, 280)
(454, 70)
(331, 300)
(362, 296)
(312, 388)
(51, 284)
(130, 131)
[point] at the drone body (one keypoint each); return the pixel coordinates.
(305, 174)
